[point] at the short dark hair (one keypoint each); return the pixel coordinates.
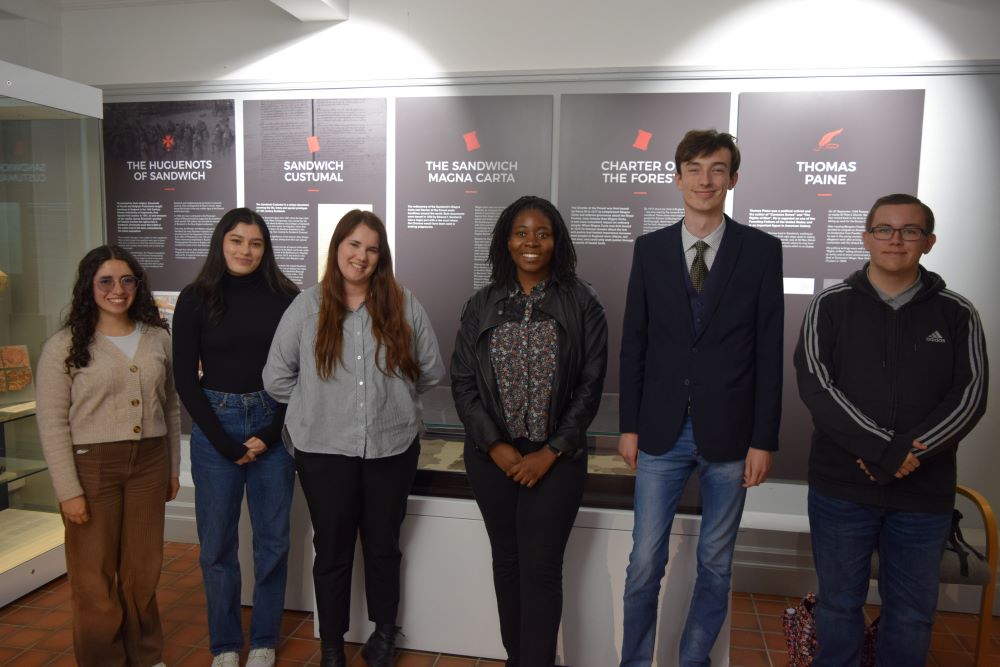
(703, 142)
(504, 272)
(901, 200)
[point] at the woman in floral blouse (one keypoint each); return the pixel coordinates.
(527, 375)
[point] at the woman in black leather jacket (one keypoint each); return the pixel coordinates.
(526, 376)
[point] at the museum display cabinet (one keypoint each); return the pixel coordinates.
(441, 470)
(610, 483)
(50, 215)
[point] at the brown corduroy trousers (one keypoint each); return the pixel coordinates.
(114, 559)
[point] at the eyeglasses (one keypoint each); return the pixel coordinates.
(107, 283)
(886, 232)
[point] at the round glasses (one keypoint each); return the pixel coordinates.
(107, 283)
(886, 232)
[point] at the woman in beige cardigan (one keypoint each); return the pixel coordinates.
(110, 428)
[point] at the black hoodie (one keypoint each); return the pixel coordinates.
(875, 379)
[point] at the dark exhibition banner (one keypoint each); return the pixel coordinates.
(459, 162)
(616, 182)
(306, 164)
(813, 164)
(171, 174)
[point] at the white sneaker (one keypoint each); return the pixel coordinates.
(226, 659)
(260, 657)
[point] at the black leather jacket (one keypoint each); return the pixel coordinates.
(579, 377)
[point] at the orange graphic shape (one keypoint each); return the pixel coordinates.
(825, 140)
(642, 140)
(471, 141)
(313, 143)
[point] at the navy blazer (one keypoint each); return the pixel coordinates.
(730, 370)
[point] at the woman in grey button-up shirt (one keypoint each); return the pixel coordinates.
(351, 357)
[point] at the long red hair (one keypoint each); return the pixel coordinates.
(384, 304)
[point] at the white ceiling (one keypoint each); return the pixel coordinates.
(303, 10)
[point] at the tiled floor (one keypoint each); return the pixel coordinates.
(757, 638)
(35, 630)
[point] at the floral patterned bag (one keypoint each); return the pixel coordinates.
(799, 623)
(800, 631)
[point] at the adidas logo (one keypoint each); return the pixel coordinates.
(935, 337)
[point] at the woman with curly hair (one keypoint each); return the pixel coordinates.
(223, 325)
(109, 422)
(527, 375)
(351, 357)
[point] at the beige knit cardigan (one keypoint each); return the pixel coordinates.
(112, 399)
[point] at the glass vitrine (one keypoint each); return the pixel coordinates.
(50, 215)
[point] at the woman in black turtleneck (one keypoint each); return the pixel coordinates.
(223, 325)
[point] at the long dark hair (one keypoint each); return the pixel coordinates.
(84, 311)
(208, 283)
(504, 271)
(384, 305)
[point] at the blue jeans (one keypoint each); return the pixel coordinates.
(659, 482)
(844, 535)
(218, 488)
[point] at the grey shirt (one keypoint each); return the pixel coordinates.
(359, 411)
(901, 299)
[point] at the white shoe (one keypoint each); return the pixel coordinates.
(226, 659)
(260, 657)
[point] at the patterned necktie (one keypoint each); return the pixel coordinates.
(699, 270)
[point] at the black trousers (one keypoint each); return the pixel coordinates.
(528, 531)
(348, 495)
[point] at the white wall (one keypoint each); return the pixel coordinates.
(253, 39)
(404, 40)
(30, 35)
(388, 40)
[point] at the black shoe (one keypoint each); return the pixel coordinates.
(333, 656)
(380, 649)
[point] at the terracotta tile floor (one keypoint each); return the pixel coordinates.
(757, 639)
(35, 630)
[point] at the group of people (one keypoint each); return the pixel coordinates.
(326, 383)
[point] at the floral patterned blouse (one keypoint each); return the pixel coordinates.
(523, 353)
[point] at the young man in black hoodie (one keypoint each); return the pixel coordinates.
(893, 368)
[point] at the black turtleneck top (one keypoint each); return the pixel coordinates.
(232, 353)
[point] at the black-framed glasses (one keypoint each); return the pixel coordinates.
(107, 283)
(886, 232)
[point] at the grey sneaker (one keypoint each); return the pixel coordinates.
(226, 659)
(260, 657)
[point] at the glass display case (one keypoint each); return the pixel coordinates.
(610, 483)
(50, 215)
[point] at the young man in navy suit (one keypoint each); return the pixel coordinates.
(700, 389)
